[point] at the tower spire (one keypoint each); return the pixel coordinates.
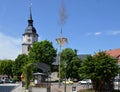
(30, 35)
(30, 20)
(30, 11)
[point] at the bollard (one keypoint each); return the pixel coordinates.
(74, 88)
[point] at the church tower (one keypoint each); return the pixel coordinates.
(30, 36)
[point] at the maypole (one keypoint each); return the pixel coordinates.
(61, 40)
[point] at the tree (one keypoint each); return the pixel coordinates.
(73, 63)
(20, 61)
(6, 67)
(28, 74)
(67, 54)
(74, 67)
(87, 68)
(101, 68)
(42, 52)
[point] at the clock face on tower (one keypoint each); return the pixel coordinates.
(29, 40)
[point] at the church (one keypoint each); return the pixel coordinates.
(30, 35)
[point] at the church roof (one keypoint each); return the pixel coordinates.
(30, 28)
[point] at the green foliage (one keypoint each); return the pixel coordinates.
(20, 61)
(101, 68)
(42, 52)
(73, 68)
(67, 54)
(73, 63)
(15, 78)
(105, 64)
(6, 67)
(28, 74)
(87, 68)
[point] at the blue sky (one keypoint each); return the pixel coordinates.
(91, 25)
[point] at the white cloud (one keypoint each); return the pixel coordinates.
(107, 33)
(114, 32)
(97, 33)
(10, 47)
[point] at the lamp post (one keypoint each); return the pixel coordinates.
(65, 65)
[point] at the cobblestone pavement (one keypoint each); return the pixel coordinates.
(55, 88)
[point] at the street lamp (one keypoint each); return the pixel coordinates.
(65, 65)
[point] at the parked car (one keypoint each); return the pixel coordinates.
(68, 82)
(1, 81)
(7, 80)
(85, 81)
(12, 81)
(116, 82)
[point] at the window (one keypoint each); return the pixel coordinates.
(29, 47)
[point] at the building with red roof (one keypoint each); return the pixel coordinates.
(114, 53)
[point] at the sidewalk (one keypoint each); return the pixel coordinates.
(54, 88)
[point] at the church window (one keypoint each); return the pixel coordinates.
(29, 47)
